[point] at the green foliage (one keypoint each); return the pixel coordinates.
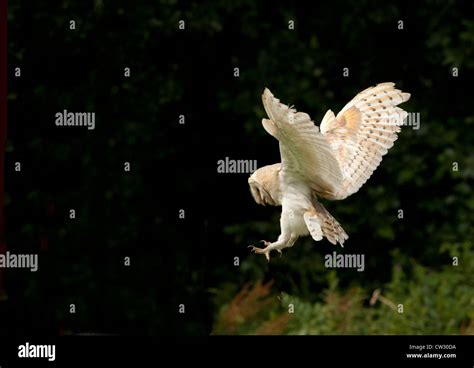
(418, 301)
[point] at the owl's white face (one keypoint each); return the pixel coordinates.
(265, 186)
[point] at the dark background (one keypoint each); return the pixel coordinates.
(173, 167)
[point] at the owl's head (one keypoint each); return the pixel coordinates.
(265, 185)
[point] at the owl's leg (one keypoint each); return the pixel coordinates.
(281, 243)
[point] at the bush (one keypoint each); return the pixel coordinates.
(417, 300)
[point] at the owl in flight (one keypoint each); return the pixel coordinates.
(330, 162)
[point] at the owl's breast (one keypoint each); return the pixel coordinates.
(298, 225)
(296, 201)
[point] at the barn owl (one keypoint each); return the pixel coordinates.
(330, 162)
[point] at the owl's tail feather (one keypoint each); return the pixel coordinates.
(331, 229)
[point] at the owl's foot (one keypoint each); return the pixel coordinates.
(266, 251)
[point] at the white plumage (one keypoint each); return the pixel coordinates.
(332, 161)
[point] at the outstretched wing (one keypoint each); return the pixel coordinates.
(362, 132)
(304, 150)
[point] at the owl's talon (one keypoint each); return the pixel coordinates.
(266, 251)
